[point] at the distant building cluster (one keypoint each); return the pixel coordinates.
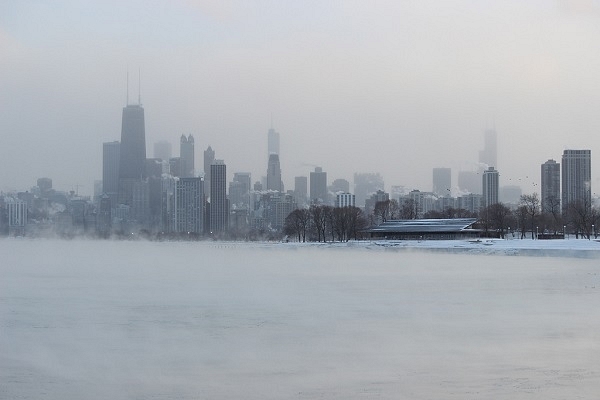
(170, 196)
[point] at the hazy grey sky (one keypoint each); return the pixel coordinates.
(396, 87)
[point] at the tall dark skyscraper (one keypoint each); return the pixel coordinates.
(133, 143)
(274, 174)
(132, 152)
(186, 155)
(219, 210)
(550, 186)
(273, 142)
(576, 178)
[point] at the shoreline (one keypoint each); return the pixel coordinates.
(566, 248)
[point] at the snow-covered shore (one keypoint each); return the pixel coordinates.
(551, 248)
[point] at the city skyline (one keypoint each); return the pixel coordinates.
(363, 89)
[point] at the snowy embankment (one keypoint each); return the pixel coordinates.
(555, 248)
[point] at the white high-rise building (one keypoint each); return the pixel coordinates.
(490, 187)
(17, 215)
(344, 200)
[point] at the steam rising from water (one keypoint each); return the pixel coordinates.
(139, 320)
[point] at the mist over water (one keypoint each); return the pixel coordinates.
(140, 320)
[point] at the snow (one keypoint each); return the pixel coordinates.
(419, 320)
(577, 248)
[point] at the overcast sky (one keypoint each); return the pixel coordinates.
(396, 87)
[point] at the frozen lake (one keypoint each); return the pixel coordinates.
(139, 320)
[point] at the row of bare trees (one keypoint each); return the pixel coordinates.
(391, 209)
(408, 209)
(580, 218)
(322, 223)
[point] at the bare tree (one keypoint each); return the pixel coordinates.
(580, 215)
(356, 221)
(499, 215)
(319, 220)
(296, 223)
(461, 213)
(531, 202)
(595, 221)
(329, 221)
(433, 214)
(385, 210)
(408, 209)
(340, 223)
(521, 215)
(552, 208)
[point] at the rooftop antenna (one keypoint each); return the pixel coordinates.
(139, 86)
(271, 120)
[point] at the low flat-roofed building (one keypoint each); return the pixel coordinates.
(418, 229)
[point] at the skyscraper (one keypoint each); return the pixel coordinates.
(300, 190)
(576, 178)
(490, 186)
(186, 155)
(344, 200)
(365, 184)
(189, 206)
(110, 170)
(140, 205)
(132, 156)
(318, 186)
(340, 185)
(239, 190)
(550, 179)
(489, 155)
(273, 142)
(274, 174)
(209, 158)
(219, 211)
(442, 181)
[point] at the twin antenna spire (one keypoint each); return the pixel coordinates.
(139, 88)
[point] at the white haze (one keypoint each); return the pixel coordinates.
(124, 320)
(385, 86)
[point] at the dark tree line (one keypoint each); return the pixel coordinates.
(580, 219)
(322, 223)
